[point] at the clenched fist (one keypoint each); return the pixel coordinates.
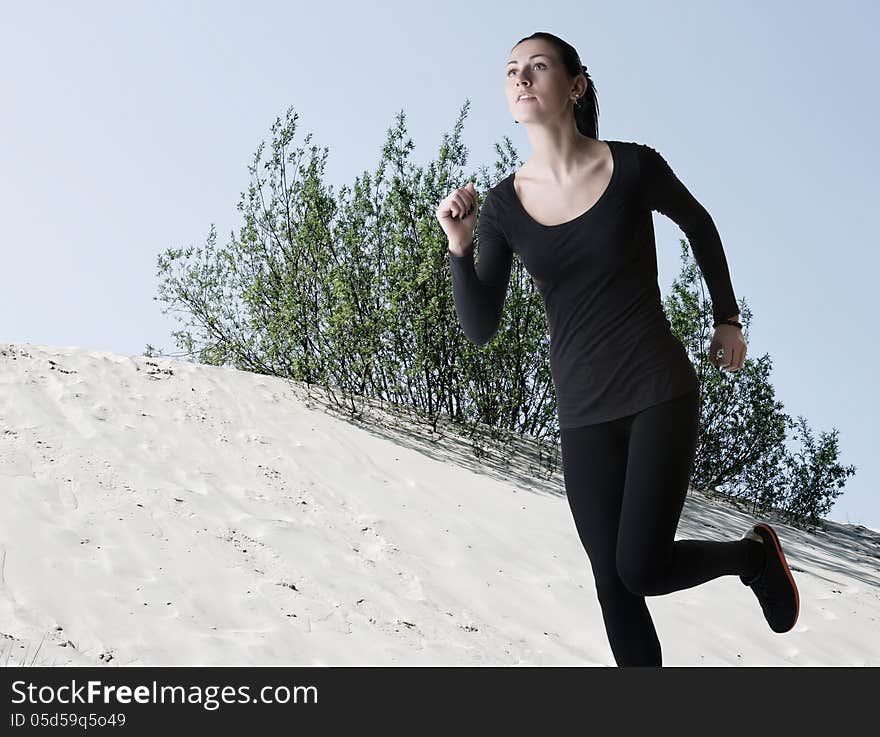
(457, 214)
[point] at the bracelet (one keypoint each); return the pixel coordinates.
(727, 322)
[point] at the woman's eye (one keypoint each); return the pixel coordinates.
(537, 63)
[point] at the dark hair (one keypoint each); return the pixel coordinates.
(586, 110)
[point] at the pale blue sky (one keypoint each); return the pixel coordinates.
(127, 129)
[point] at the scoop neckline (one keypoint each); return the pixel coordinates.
(614, 172)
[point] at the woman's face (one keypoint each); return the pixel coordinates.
(534, 71)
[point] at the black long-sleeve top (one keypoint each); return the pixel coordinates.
(612, 351)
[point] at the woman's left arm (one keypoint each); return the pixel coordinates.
(663, 192)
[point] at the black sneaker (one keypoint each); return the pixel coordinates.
(774, 585)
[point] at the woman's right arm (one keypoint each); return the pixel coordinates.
(479, 291)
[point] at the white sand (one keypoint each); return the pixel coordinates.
(156, 512)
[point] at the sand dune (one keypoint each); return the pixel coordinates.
(156, 512)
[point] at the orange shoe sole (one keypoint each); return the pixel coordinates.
(778, 546)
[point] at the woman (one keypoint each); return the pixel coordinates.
(627, 394)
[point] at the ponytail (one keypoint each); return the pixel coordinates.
(586, 109)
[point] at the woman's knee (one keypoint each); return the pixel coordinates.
(611, 591)
(642, 575)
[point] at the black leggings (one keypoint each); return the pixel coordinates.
(626, 481)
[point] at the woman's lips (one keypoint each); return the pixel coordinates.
(526, 99)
